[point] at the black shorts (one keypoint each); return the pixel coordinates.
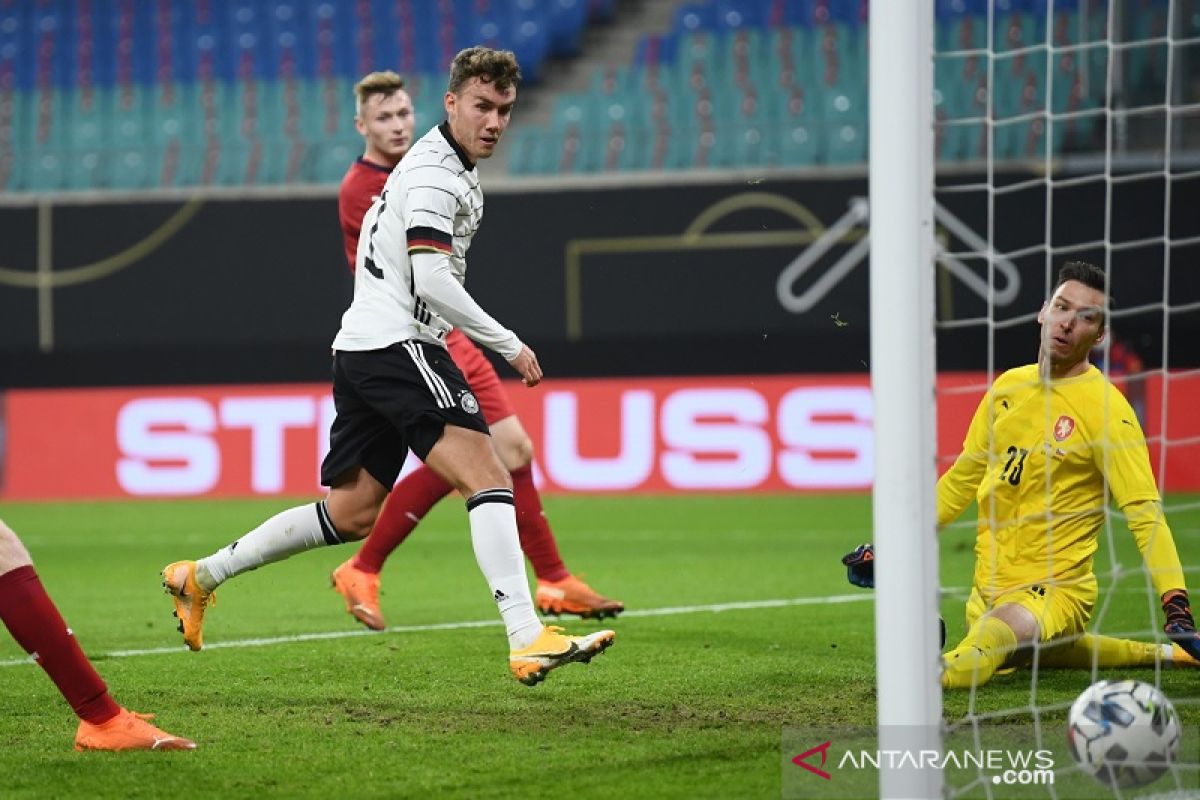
(391, 400)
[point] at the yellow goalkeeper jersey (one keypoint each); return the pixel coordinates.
(1037, 458)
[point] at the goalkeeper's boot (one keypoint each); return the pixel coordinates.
(1182, 658)
(128, 730)
(552, 649)
(572, 596)
(360, 590)
(179, 579)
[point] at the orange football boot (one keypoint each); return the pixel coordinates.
(572, 596)
(128, 730)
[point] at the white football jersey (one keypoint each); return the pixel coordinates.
(411, 262)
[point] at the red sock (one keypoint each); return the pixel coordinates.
(537, 540)
(407, 504)
(30, 616)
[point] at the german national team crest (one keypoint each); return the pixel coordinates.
(469, 403)
(1064, 428)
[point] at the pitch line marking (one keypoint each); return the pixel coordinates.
(715, 608)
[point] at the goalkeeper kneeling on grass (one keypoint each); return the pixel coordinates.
(1047, 445)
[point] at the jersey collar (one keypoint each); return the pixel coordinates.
(462, 155)
(373, 165)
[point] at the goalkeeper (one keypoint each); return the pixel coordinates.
(1044, 444)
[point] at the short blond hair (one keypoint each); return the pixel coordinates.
(497, 67)
(385, 83)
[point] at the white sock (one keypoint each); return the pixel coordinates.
(498, 551)
(285, 534)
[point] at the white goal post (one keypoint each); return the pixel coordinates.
(902, 379)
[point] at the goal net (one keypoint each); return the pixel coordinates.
(1070, 130)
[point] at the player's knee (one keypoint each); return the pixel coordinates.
(516, 454)
(12, 553)
(487, 473)
(352, 523)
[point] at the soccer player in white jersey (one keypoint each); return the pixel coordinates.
(395, 386)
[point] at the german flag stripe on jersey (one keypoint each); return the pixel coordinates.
(429, 240)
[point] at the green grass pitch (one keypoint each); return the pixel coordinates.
(690, 702)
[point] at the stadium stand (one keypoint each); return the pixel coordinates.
(143, 94)
(137, 94)
(747, 83)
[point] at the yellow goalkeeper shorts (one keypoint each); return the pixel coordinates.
(1059, 610)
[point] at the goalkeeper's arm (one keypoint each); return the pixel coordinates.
(1157, 546)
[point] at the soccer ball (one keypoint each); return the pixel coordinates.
(1123, 733)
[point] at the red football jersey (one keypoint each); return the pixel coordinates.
(361, 185)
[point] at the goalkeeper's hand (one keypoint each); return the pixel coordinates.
(860, 570)
(860, 566)
(1181, 627)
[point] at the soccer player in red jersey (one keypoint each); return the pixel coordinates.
(31, 617)
(386, 121)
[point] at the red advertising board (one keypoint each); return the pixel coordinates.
(728, 434)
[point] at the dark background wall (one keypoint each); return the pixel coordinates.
(611, 281)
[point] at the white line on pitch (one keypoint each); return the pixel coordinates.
(484, 623)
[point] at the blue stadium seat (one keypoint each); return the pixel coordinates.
(529, 35)
(567, 20)
(740, 14)
(697, 16)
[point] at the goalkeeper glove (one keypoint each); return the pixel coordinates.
(860, 571)
(1181, 627)
(860, 566)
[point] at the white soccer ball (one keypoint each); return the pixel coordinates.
(1123, 733)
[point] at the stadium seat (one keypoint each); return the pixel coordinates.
(800, 145)
(133, 168)
(129, 116)
(12, 170)
(567, 20)
(845, 142)
(696, 16)
(753, 145)
(334, 157)
(46, 169)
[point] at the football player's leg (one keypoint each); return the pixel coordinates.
(1090, 650)
(406, 506)
(515, 450)
(558, 591)
(1073, 648)
(989, 643)
(346, 514)
(33, 619)
(357, 578)
(466, 459)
